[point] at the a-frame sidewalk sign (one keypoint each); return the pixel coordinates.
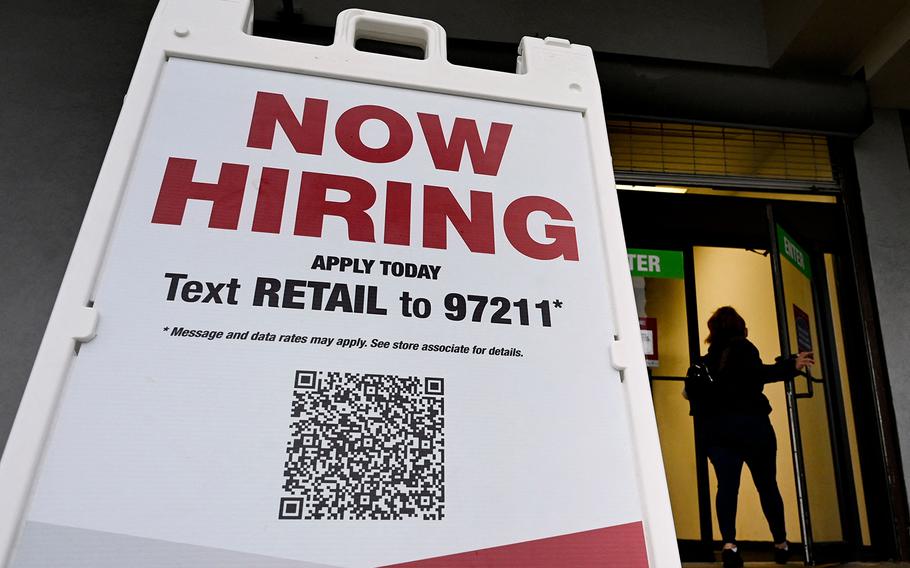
(336, 308)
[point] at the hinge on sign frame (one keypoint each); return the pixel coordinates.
(83, 324)
(617, 357)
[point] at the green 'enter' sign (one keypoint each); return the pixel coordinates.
(796, 254)
(655, 263)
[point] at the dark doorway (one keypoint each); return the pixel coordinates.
(728, 245)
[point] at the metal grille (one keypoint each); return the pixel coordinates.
(717, 155)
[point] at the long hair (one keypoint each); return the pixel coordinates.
(725, 324)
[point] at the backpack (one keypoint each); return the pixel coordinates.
(698, 380)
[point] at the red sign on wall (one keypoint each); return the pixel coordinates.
(648, 328)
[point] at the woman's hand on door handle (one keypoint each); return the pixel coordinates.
(805, 360)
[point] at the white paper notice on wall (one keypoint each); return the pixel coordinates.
(349, 324)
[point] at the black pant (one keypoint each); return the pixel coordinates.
(732, 441)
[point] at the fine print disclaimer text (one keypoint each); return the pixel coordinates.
(338, 343)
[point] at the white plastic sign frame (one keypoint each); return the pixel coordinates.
(552, 74)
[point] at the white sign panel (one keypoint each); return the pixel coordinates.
(344, 325)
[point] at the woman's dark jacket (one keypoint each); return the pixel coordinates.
(738, 379)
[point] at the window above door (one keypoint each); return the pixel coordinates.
(669, 153)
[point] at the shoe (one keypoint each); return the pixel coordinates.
(731, 558)
(781, 555)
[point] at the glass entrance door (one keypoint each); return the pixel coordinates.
(742, 278)
(811, 399)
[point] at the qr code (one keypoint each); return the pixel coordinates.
(365, 446)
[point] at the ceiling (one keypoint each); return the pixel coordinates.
(844, 37)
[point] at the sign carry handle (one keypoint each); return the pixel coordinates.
(354, 24)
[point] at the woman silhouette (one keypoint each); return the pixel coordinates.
(733, 419)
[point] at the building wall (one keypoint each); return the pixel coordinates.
(65, 70)
(884, 180)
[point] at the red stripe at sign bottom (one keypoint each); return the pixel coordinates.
(622, 546)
